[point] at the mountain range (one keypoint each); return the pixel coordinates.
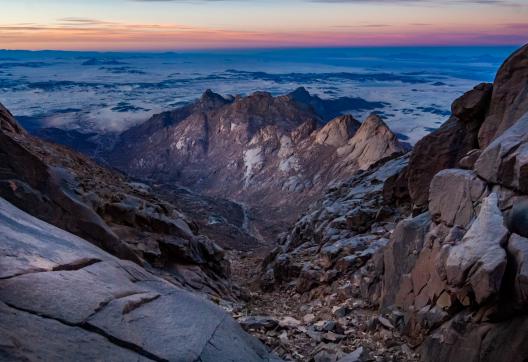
(325, 237)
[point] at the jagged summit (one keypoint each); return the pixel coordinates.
(301, 95)
(8, 122)
(436, 239)
(212, 99)
(509, 99)
(338, 131)
(372, 142)
(271, 153)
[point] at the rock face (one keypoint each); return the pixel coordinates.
(267, 152)
(445, 147)
(374, 141)
(62, 298)
(479, 261)
(510, 97)
(479, 117)
(124, 218)
(339, 234)
(461, 287)
(452, 275)
(453, 196)
(338, 132)
(503, 161)
(518, 249)
(8, 122)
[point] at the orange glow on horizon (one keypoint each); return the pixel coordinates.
(145, 37)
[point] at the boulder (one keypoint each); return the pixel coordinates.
(437, 151)
(505, 160)
(469, 160)
(257, 322)
(473, 104)
(517, 220)
(479, 260)
(509, 100)
(400, 255)
(358, 355)
(461, 341)
(454, 195)
(518, 250)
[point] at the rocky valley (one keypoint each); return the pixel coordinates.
(273, 154)
(264, 227)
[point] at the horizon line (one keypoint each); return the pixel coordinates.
(285, 47)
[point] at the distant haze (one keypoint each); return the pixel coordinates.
(110, 92)
(159, 25)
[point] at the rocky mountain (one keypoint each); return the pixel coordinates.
(274, 154)
(390, 256)
(122, 217)
(436, 240)
(100, 267)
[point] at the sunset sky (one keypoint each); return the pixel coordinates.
(160, 25)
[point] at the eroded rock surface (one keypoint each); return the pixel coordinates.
(509, 100)
(63, 298)
(451, 277)
(446, 146)
(122, 217)
(339, 234)
(274, 154)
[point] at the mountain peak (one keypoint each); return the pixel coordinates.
(373, 141)
(338, 131)
(374, 120)
(300, 95)
(8, 122)
(212, 99)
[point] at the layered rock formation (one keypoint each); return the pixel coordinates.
(62, 298)
(122, 217)
(452, 275)
(461, 286)
(445, 147)
(267, 152)
(509, 100)
(340, 232)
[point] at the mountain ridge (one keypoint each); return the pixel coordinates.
(272, 153)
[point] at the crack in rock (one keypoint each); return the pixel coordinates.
(93, 329)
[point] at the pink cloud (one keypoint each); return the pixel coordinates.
(91, 34)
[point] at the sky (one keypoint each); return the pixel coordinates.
(164, 25)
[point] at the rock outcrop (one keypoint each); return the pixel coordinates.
(451, 276)
(272, 154)
(122, 217)
(338, 132)
(339, 234)
(8, 122)
(372, 142)
(478, 117)
(510, 97)
(461, 287)
(447, 146)
(62, 298)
